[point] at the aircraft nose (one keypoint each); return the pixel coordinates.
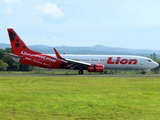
(156, 64)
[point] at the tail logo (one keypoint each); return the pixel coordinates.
(17, 45)
(12, 35)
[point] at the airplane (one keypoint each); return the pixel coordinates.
(91, 63)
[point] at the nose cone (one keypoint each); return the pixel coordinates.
(155, 64)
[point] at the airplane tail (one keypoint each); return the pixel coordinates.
(17, 44)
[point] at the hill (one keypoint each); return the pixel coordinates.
(98, 49)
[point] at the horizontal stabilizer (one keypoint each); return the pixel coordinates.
(13, 55)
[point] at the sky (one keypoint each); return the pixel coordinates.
(133, 24)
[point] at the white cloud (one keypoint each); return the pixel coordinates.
(9, 11)
(13, 1)
(50, 9)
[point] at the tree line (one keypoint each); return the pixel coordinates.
(7, 64)
(154, 57)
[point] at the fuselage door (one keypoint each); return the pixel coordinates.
(141, 62)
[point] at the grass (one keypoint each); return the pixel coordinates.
(49, 98)
(63, 71)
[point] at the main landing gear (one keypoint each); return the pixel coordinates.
(143, 72)
(80, 72)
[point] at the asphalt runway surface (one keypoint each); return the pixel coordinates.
(86, 75)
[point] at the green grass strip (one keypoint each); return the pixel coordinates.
(28, 98)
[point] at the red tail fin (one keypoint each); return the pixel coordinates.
(17, 44)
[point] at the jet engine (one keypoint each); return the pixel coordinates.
(96, 68)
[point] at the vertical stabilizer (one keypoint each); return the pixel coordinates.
(17, 44)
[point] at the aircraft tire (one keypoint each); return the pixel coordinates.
(80, 72)
(143, 72)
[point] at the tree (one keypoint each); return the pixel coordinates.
(23, 67)
(13, 65)
(8, 50)
(3, 65)
(1, 54)
(153, 56)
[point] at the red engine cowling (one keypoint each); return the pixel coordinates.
(96, 68)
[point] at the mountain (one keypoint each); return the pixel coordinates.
(4, 46)
(98, 49)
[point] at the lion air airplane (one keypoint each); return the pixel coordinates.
(92, 63)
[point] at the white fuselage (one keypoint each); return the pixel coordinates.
(116, 62)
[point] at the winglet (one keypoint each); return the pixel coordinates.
(57, 54)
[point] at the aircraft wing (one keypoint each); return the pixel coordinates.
(73, 63)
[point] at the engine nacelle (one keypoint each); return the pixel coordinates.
(96, 68)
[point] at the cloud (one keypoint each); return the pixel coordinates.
(50, 9)
(8, 10)
(13, 1)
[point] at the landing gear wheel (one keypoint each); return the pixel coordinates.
(80, 72)
(143, 72)
(156, 72)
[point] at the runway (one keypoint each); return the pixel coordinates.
(86, 75)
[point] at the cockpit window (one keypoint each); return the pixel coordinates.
(149, 61)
